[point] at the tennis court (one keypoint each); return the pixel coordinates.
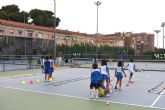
(70, 90)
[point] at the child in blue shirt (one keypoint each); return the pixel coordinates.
(119, 71)
(47, 67)
(95, 78)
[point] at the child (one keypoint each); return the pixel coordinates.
(51, 66)
(105, 73)
(47, 68)
(131, 68)
(42, 60)
(95, 61)
(95, 78)
(119, 74)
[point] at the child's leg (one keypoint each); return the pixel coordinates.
(45, 76)
(51, 75)
(120, 83)
(91, 91)
(130, 77)
(117, 83)
(107, 85)
(96, 93)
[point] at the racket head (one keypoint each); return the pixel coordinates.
(111, 89)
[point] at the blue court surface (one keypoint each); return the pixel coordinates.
(147, 90)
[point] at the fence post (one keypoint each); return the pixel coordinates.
(3, 60)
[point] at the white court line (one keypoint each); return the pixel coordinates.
(42, 92)
(157, 98)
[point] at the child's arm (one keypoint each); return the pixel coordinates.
(123, 72)
(134, 67)
(91, 76)
(115, 72)
(126, 66)
(107, 69)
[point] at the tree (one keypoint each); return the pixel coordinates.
(10, 8)
(43, 18)
(40, 17)
(9, 12)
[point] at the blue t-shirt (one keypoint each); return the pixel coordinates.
(47, 66)
(95, 76)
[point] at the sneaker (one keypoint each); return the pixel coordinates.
(130, 81)
(91, 94)
(127, 85)
(107, 95)
(96, 95)
(115, 87)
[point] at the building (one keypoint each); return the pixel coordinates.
(27, 39)
(140, 42)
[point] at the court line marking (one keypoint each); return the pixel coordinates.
(42, 92)
(155, 101)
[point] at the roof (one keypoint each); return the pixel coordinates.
(36, 27)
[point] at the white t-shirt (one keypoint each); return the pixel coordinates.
(52, 62)
(42, 61)
(131, 67)
(104, 69)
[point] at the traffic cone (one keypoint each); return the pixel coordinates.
(31, 82)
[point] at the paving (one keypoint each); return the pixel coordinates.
(74, 83)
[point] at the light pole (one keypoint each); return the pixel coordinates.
(98, 3)
(163, 25)
(54, 38)
(157, 31)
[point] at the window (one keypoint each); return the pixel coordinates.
(39, 35)
(11, 31)
(2, 30)
(47, 36)
(30, 33)
(67, 38)
(20, 32)
(52, 36)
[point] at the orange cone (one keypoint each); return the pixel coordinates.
(31, 82)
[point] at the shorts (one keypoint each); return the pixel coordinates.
(47, 70)
(105, 77)
(95, 85)
(119, 75)
(51, 69)
(131, 74)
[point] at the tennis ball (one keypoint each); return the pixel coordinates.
(50, 79)
(37, 80)
(107, 102)
(23, 82)
(101, 91)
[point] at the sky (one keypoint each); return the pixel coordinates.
(114, 15)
